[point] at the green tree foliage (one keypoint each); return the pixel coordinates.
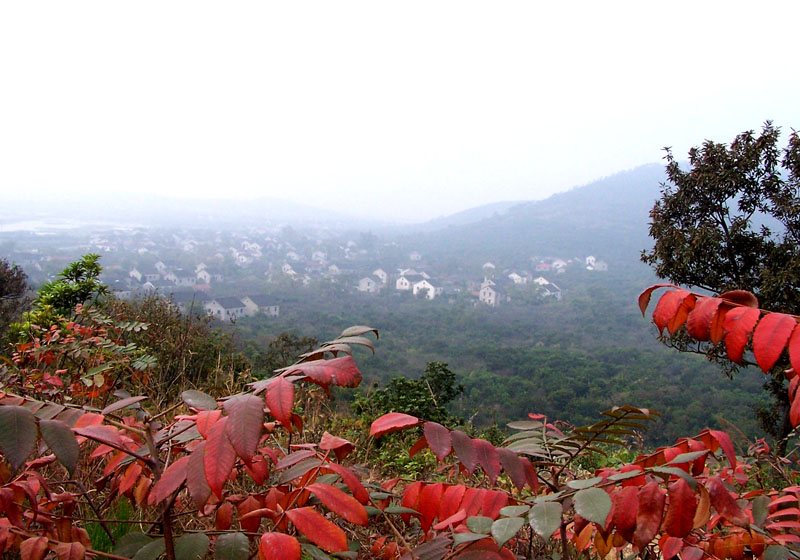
(13, 297)
(281, 352)
(731, 221)
(426, 397)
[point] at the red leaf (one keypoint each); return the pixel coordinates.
(338, 445)
(224, 517)
(514, 467)
(70, 551)
(351, 480)
(319, 530)
(644, 297)
(725, 443)
(196, 481)
(739, 323)
(33, 548)
(428, 504)
(451, 521)
(724, 503)
(492, 502)
(171, 479)
(245, 424)
(219, 457)
(205, 420)
(740, 297)
(794, 349)
(451, 500)
(671, 547)
(104, 434)
(410, 499)
(682, 505)
(130, 477)
(770, 338)
(421, 444)
(341, 372)
(340, 503)
(280, 400)
(487, 457)
(648, 517)
(717, 330)
(250, 524)
(465, 450)
(392, 422)
(438, 438)
(698, 325)
(278, 546)
(472, 501)
(794, 412)
(626, 504)
(668, 307)
(686, 306)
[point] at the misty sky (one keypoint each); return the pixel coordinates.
(404, 110)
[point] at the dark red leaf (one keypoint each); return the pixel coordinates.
(33, 548)
(245, 424)
(626, 505)
(70, 551)
(119, 405)
(249, 504)
(279, 546)
(410, 499)
(487, 457)
(725, 443)
(770, 338)
(724, 503)
(338, 445)
(794, 349)
(340, 503)
(196, 481)
(219, 457)
(648, 517)
(698, 325)
(680, 513)
(392, 422)
(465, 450)
(280, 400)
(739, 323)
(428, 503)
(205, 420)
(438, 438)
(492, 502)
(104, 434)
(171, 479)
(514, 467)
(319, 530)
(341, 372)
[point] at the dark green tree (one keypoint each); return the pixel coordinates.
(13, 297)
(730, 220)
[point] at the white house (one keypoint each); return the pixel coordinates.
(369, 284)
(415, 256)
(227, 308)
(261, 304)
(381, 274)
(406, 281)
(426, 287)
(517, 279)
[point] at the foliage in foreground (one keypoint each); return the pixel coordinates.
(233, 476)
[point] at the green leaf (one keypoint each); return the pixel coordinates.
(675, 471)
(62, 443)
(315, 552)
(198, 399)
(545, 518)
(688, 457)
(514, 511)
(625, 475)
(151, 551)
(372, 511)
(130, 544)
(191, 546)
(505, 528)
(593, 504)
(587, 483)
(760, 510)
(400, 509)
(776, 553)
(461, 538)
(480, 524)
(232, 546)
(525, 425)
(17, 434)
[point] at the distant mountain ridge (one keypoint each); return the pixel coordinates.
(608, 217)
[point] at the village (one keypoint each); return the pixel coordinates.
(233, 275)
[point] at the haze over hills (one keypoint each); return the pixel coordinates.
(608, 217)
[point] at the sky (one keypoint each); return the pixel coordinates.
(402, 111)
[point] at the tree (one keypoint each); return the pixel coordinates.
(13, 298)
(731, 221)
